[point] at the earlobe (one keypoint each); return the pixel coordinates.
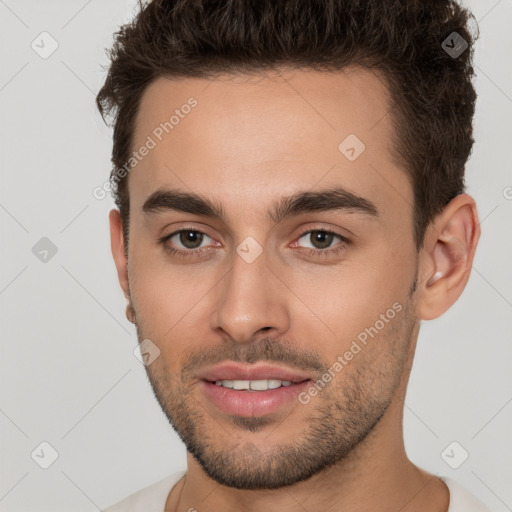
(448, 254)
(130, 313)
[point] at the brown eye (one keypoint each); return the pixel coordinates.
(321, 243)
(190, 239)
(184, 242)
(320, 238)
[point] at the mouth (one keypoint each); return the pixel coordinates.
(254, 385)
(252, 390)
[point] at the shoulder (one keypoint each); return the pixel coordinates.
(153, 496)
(461, 500)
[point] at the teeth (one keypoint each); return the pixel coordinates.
(273, 383)
(253, 385)
(240, 384)
(258, 385)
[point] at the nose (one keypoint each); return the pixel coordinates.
(251, 300)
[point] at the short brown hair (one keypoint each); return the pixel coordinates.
(432, 95)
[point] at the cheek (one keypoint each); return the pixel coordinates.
(170, 300)
(340, 303)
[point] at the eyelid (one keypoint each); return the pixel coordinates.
(320, 225)
(192, 227)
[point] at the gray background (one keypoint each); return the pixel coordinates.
(68, 375)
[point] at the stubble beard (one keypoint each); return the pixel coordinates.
(341, 416)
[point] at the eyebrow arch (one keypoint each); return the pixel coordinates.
(331, 199)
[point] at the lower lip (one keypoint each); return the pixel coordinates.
(252, 404)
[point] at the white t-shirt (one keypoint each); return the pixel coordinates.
(153, 498)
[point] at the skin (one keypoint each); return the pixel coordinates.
(248, 142)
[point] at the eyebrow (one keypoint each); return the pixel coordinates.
(331, 199)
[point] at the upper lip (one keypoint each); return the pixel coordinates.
(234, 371)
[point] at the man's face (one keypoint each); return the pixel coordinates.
(248, 288)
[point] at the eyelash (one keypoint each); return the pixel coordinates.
(316, 252)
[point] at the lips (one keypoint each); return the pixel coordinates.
(250, 403)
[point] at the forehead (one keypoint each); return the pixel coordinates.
(276, 133)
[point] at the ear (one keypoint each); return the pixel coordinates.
(118, 250)
(447, 256)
